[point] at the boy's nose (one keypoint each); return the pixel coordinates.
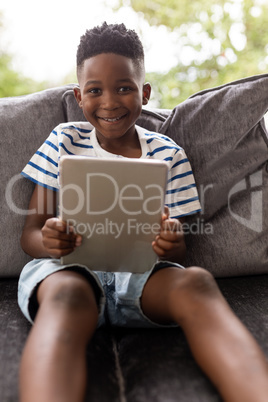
(110, 101)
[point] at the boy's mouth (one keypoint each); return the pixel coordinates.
(111, 119)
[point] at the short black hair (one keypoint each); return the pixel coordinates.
(113, 38)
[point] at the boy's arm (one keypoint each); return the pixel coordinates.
(43, 234)
(169, 244)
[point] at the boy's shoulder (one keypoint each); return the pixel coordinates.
(155, 137)
(75, 126)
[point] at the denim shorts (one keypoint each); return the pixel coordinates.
(118, 293)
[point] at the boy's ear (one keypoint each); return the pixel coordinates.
(146, 93)
(77, 95)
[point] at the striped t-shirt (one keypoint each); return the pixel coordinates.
(79, 138)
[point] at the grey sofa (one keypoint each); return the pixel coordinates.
(224, 135)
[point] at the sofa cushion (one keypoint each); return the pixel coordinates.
(223, 133)
(24, 124)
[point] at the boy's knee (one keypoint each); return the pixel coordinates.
(196, 286)
(73, 295)
(199, 281)
(70, 292)
(68, 301)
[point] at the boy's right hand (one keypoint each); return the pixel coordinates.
(59, 239)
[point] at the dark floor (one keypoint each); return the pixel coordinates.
(136, 365)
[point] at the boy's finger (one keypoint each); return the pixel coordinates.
(172, 225)
(166, 244)
(63, 227)
(78, 241)
(166, 211)
(56, 224)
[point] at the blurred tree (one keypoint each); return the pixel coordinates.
(12, 83)
(217, 42)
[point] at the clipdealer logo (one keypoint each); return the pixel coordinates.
(255, 220)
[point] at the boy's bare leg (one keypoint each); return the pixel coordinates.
(220, 343)
(53, 366)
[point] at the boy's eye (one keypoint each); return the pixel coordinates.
(124, 89)
(94, 91)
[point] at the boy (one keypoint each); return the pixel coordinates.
(67, 302)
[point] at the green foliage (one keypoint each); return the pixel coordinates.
(13, 83)
(217, 41)
(224, 40)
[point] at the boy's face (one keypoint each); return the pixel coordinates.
(111, 95)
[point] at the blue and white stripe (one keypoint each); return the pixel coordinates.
(79, 138)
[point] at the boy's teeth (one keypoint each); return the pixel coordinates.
(111, 120)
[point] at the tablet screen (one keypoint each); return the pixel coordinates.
(116, 205)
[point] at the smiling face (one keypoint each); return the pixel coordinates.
(111, 95)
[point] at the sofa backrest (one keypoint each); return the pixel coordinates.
(224, 135)
(25, 122)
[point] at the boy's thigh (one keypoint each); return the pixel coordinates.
(156, 292)
(172, 292)
(125, 303)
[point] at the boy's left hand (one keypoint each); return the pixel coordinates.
(169, 244)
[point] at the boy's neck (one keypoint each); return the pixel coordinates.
(129, 148)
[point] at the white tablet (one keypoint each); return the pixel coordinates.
(116, 205)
